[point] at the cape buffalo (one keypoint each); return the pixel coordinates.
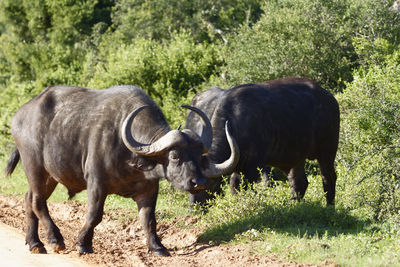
(278, 123)
(113, 141)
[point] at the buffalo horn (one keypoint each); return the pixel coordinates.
(206, 134)
(216, 170)
(156, 148)
(127, 137)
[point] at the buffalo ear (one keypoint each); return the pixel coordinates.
(141, 163)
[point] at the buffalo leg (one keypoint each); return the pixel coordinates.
(40, 189)
(32, 225)
(146, 207)
(328, 180)
(96, 199)
(251, 175)
(298, 181)
(234, 182)
(265, 173)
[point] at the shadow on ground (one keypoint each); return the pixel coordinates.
(303, 219)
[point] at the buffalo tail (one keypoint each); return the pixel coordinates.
(12, 162)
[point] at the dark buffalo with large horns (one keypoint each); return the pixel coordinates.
(113, 141)
(279, 123)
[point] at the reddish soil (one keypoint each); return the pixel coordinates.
(122, 244)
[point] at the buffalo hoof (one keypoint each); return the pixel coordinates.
(38, 250)
(58, 247)
(161, 252)
(84, 250)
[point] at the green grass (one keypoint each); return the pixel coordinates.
(305, 231)
(270, 223)
(361, 247)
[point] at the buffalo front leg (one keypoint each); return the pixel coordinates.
(265, 177)
(96, 199)
(146, 206)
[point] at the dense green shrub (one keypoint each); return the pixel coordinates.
(308, 38)
(369, 157)
(46, 41)
(371, 20)
(170, 72)
(206, 20)
(11, 98)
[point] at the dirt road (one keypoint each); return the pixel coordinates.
(116, 244)
(14, 253)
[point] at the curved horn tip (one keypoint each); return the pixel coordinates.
(187, 106)
(217, 170)
(206, 136)
(142, 107)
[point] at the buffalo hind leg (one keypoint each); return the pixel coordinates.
(32, 224)
(146, 206)
(298, 181)
(328, 180)
(36, 209)
(96, 199)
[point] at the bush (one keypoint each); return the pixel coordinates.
(308, 38)
(369, 156)
(11, 98)
(46, 41)
(158, 20)
(170, 73)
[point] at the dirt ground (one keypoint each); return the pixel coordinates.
(118, 244)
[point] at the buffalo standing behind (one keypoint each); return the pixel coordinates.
(279, 123)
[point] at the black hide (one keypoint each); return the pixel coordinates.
(278, 123)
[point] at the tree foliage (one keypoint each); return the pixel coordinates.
(206, 20)
(370, 135)
(46, 41)
(308, 38)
